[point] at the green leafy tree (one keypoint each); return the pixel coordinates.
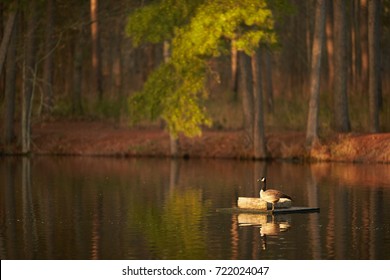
(156, 22)
(176, 90)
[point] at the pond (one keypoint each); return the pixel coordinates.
(147, 208)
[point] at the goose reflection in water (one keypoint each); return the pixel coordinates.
(270, 225)
(274, 228)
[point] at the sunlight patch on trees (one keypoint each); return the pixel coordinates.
(176, 90)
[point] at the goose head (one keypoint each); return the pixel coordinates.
(263, 187)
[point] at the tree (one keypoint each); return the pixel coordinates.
(173, 139)
(96, 54)
(6, 37)
(312, 120)
(155, 23)
(259, 147)
(269, 91)
(355, 46)
(329, 32)
(176, 90)
(341, 117)
(364, 45)
(29, 73)
(233, 68)
(78, 55)
(374, 63)
(10, 87)
(48, 63)
(252, 101)
(246, 91)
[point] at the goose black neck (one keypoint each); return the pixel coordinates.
(264, 186)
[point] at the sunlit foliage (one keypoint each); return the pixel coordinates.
(176, 91)
(175, 97)
(156, 21)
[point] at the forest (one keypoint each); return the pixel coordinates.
(319, 67)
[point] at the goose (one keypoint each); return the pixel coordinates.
(271, 196)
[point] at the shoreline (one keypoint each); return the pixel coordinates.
(98, 138)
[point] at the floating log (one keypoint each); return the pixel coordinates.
(256, 205)
(292, 209)
(259, 204)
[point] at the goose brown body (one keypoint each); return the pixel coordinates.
(271, 196)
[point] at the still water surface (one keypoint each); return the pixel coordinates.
(105, 208)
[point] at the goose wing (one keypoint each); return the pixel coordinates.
(276, 195)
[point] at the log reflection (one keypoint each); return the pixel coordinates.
(269, 224)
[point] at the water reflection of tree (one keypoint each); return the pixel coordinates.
(29, 219)
(353, 204)
(8, 237)
(172, 226)
(147, 209)
(175, 231)
(314, 220)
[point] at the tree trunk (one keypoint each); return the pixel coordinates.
(10, 87)
(174, 145)
(353, 45)
(6, 38)
(259, 147)
(173, 139)
(341, 119)
(330, 46)
(312, 121)
(96, 54)
(309, 20)
(233, 81)
(29, 76)
(2, 11)
(269, 91)
(77, 105)
(48, 64)
(117, 62)
(246, 90)
(357, 45)
(364, 46)
(374, 73)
